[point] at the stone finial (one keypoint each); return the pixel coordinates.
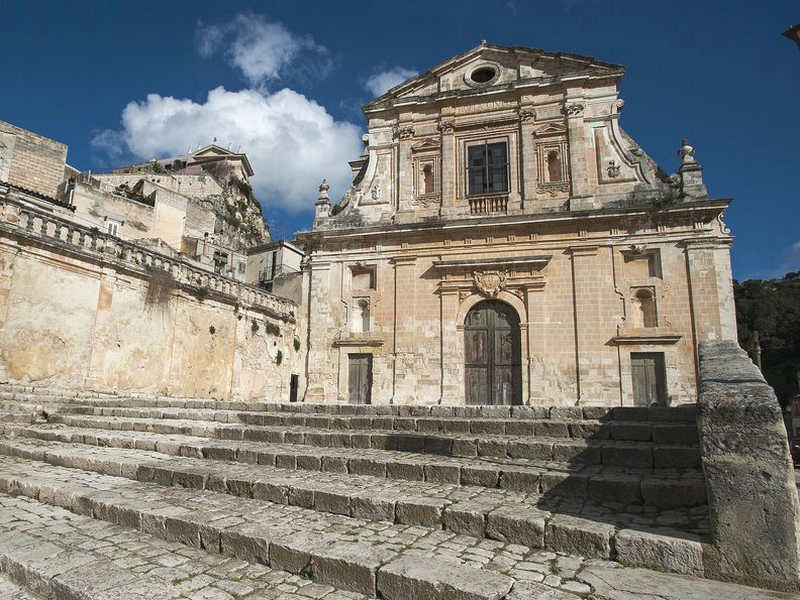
(686, 152)
(323, 192)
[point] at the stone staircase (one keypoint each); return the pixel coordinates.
(369, 501)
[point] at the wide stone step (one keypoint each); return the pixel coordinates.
(634, 454)
(296, 539)
(661, 489)
(686, 413)
(55, 553)
(548, 423)
(471, 510)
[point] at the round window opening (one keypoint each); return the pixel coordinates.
(483, 75)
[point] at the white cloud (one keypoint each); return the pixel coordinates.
(261, 50)
(380, 83)
(291, 141)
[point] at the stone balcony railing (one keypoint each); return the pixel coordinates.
(36, 225)
(486, 205)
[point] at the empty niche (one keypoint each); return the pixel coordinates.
(553, 166)
(427, 179)
(643, 303)
(642, 265)
(362, 278)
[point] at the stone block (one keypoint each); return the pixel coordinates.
(523, 525)
(628, 455)
(630, 431)
(675, 434)
(371, 507)
(674, 551)
(408, 470)
(419, 511)
(494, 448)
(673, 492)
(415, 577)
(625, 489)
(443, 473)
(466, 517)
(482, 476)
(521, 479)
(531, 449)
(574, 535)
(676, 457)
(349, 566)
(249, 543)
(332, 502)
(366, 466)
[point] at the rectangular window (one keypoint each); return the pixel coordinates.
(487, 168)
(112, 227)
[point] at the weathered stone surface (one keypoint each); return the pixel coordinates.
(674, 551)
(517, 524)
(752, 493)
(579, 536)
(411, 577)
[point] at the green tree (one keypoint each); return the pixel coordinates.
(772, 308)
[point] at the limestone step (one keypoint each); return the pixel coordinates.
(471, 510)
(662, 489)
(545, 423)
(369, 557)
(634, 454)
(52, 552)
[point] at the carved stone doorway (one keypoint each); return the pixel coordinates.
(649, 379)
(492, 370)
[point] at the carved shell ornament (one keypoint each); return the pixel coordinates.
(489, 283)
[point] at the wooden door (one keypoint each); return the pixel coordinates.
(492, 354)
(360, 379)
(649, 378)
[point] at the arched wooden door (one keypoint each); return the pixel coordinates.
(492, 354)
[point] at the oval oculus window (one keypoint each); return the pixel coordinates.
(483, 74)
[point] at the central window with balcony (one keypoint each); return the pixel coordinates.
(487, 168)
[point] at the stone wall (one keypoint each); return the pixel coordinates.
(752, 494)
(80, 309)
(31, 161)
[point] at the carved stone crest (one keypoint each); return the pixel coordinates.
(404, 133)
(613, 169)
(573, 110)
(526, 114)
(446, 126)
(490, 283)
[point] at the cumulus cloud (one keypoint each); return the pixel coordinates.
(380, 83)
(291, 141)
(261, 50)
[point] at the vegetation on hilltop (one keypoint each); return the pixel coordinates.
(772, 308)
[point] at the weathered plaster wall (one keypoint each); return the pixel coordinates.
(73, 316)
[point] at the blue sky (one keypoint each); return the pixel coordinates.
(122, 81)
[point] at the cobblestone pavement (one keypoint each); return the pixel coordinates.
(99, 558)
(10, 591)
(138, 565)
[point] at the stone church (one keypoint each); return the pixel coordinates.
(504, 241)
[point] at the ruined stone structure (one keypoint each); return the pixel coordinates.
(504, 241)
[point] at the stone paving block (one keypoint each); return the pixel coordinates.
(350, 566)
(662, 492)
(487, 476)
(410, 471)
(671, 550)
(615, 488)
(247, 542)
(518, 525)
(419, 511)
(466, 517)
(521, 479)
(372, 508)
(412, 577)
(575, 535)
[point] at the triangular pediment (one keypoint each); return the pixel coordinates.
(550, 128)
(487, 65)
(426, 144)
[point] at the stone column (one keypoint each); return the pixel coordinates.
(449, 160)
(452, 363)
(404, 325)
(580, 195)
(321, 385)
(528, 158)
(713, 312)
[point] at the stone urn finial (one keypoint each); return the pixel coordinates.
(686, 152)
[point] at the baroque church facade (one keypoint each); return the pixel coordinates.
(504, 241)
